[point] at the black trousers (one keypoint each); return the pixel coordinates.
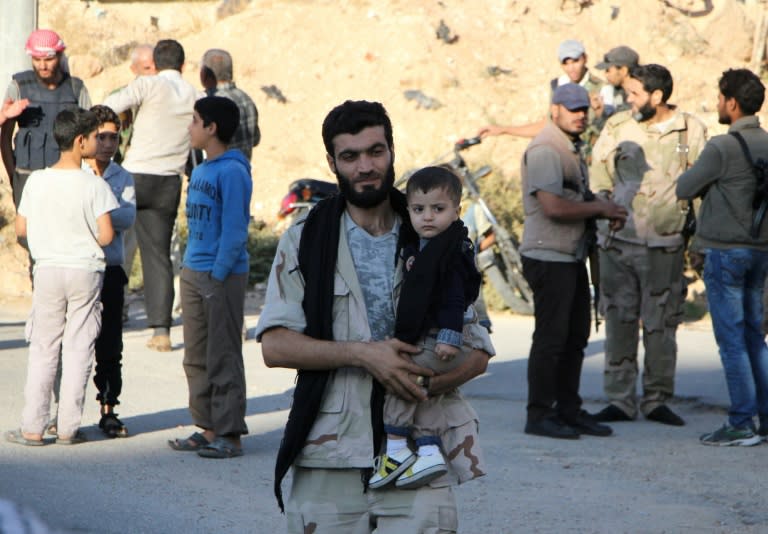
(157, 201)
(561, 308)
(109, 345)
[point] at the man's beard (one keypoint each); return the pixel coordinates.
(722, 118)
(369, 197)
(644, 113)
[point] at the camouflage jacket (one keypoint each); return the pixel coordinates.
(638, 166)
(341, 436)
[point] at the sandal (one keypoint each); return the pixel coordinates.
(17, 436)
(195, 442)
(112, 426)
(220, 448)
(76, 439)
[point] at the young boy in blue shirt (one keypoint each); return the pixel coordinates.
(109, 345)
(213, 281)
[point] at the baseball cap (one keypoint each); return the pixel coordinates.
(619, 57)
(44, 43)
(570, 49)
(572, 96)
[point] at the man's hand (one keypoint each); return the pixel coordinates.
(615, 212)
(445, 352)
(390, 363)
(597, 104)
(12, 109)
(490, 130)
(475, 365)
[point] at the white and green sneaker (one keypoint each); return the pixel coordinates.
(728, 436)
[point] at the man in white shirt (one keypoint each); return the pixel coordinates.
(159, 149)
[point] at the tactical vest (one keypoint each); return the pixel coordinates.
(539, 231)
(35, 148)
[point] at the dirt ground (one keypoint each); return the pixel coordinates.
(319, 53)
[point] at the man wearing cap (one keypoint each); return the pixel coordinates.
(159, 150)
(555, 188)
(573, 61)
(616, 63)
(636, 162)
(216, 77)
(49, 90)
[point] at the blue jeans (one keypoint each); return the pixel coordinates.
(734, 280)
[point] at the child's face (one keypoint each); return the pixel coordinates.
(107, 141)
(199, 134)
(431, 212)
(88, 145)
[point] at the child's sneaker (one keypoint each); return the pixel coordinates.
(388, 468)
(422, 472)
(728, 435)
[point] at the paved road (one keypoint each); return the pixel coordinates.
(139, 485)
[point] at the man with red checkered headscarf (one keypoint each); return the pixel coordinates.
(49, 90)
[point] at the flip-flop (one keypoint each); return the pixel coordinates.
(76, 439)
(220, 448)
(16, 436)
(195, 442)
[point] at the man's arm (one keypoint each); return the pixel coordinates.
(282, 347)
(707, 169)
(6, 146)
(562, 209)
(21, 226)
(525, 130)
(475, 365)
(127, 97)
(105, 231)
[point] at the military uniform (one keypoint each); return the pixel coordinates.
(327, 488)
(637, 164)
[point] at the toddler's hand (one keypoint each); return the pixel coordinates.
(446, 352)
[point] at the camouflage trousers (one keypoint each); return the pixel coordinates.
(332, 501)
(640, 287)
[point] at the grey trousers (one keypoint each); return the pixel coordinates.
(213, 350)
(65, 319)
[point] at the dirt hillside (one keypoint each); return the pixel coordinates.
(321, 52)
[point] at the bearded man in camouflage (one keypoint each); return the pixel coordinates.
(636, 162)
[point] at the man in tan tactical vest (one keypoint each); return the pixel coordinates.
(555, 187)
(636, 162)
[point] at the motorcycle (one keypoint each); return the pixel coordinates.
(498, 258)
(302, 195)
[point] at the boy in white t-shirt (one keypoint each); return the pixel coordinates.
(64, 214)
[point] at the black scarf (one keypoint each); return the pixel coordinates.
(317, 261)
(426, 279)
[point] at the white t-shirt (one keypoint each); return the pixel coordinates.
(61, 208)
(160, 139)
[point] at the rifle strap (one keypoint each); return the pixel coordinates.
(682, 150)
(760, 209)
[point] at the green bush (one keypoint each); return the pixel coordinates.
(262, 244)
(502, 194)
